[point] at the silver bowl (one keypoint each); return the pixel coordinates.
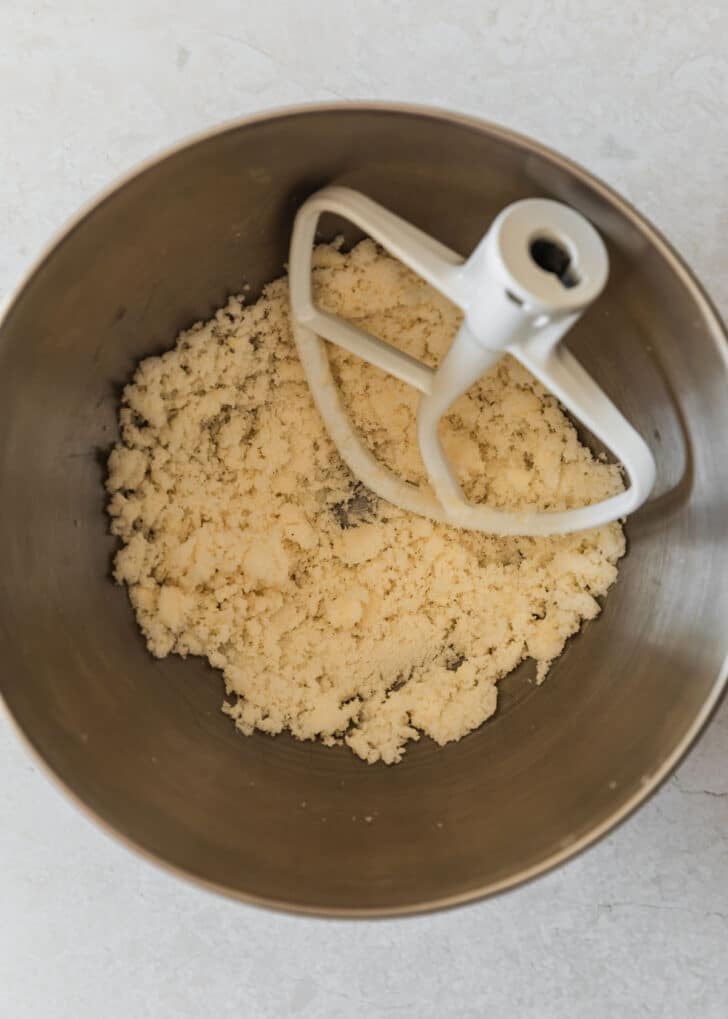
(142, 743)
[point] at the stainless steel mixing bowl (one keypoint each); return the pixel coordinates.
(142, 743)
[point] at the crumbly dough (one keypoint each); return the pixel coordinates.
(330, 613)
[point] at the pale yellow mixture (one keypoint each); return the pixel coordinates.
(330, 613)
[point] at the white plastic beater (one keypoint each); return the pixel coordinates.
(527, 282)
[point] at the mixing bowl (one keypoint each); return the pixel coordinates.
(142, 743)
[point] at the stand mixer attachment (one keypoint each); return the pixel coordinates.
(525, 285)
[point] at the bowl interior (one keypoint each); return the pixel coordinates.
(142, 742)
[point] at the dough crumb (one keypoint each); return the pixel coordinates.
(329, 613)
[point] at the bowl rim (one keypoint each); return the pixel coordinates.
(719, 333)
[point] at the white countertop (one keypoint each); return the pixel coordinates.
(638, 92)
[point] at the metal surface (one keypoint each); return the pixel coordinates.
(142, 743)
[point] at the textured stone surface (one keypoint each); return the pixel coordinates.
(636, 91)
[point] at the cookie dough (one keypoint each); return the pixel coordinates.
(330, 613)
